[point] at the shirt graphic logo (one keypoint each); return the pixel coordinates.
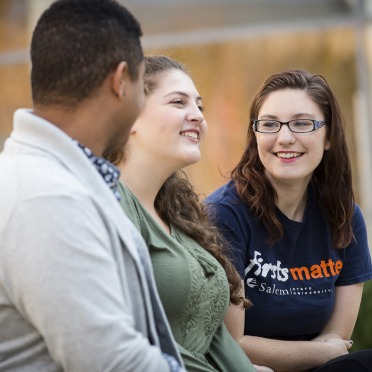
(251, 282)
(282, 274)
(264, 269)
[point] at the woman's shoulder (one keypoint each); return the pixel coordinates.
(226, 194)
(225, 205)
(357, 215)
(358, 223)
(127, 198)
(131, 206)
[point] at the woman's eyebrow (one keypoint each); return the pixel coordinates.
(302, 114)
(295, 116)
(198, 98)
(177, 92)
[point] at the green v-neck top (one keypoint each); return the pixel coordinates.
(194, 290)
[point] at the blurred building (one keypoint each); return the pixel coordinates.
(230, 46)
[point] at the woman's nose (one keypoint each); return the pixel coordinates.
(195, 114)
(286, 135)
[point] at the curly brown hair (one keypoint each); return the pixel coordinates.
(178, 203)
(332, 179)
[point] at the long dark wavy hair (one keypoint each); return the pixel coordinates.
(332, 179)
(177, 201)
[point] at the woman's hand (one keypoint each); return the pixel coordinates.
(334, 345)
(338, 346)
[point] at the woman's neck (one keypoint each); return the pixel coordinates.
(292, 200)
(293, 208)
(144, 180)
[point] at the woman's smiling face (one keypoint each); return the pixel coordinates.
(291, 157)
(172, 124)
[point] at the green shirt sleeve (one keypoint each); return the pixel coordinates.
(226, 354)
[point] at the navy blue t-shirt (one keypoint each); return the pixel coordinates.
(291, 283)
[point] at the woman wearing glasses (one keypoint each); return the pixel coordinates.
(296, 236)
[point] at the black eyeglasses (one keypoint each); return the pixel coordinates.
(296, 126)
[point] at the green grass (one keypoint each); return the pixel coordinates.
(362, 335)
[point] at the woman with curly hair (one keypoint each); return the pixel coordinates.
(297, 237)
(195, 280)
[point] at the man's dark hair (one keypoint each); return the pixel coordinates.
(76, 44)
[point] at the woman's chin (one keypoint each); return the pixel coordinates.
(191, 159)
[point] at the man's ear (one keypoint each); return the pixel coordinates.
(119, 79)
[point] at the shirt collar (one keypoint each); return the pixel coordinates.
(108, 171)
